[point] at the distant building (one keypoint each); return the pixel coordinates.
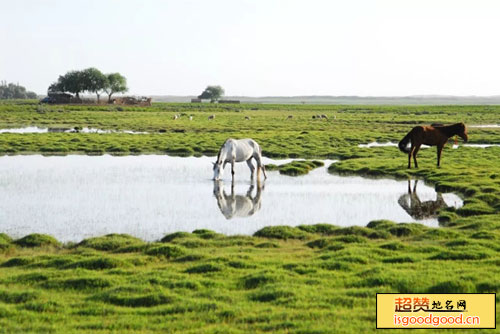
(195, 100)
(142, 101)
(58, 98)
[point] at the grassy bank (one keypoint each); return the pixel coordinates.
(310, 279)
(300, 136)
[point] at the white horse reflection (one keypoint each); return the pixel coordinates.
(417, 209)
(233, 205)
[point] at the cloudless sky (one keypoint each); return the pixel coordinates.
(258, 47)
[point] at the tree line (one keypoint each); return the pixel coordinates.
(15, 91)
(90, 80)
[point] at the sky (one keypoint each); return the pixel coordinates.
(258, 47)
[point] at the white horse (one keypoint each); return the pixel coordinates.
(239, 150)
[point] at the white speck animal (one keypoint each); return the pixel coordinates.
(175, 117)
(190, 118)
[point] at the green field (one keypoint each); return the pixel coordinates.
(309, 279)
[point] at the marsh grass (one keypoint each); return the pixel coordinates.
(307, 279)
(315, 275)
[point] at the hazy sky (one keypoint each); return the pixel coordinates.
(258, 47)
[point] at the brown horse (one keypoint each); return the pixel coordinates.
(430, 135)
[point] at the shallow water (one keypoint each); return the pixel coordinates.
(148, 196)
(392, 144)
(485, 126)
(35, 129)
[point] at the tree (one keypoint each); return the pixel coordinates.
(213, 93)
(115, 83)
(15, 91)
(72, 82)
(94, 81)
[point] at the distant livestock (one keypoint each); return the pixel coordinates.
(289, 117)
(175, 117)
(247, 118)
(324, 116)
(211, 117)
(190, 118)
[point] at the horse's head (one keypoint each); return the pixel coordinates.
(463, 132)
(217, 168)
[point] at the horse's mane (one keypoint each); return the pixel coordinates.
(218, 154)
(450, 130)
(220, 151)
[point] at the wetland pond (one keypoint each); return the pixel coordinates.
(75, 197)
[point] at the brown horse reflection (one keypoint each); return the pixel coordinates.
(233, 205)
(417, 209)
(435, 134)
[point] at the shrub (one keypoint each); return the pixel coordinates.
(168, 251)
(17, 262)
(14, 297)
(176, 235)
(37, 240)
(81, 283)
(98, 263)
(131, 297)
(272, 294)
(281, 232)
(204, 268)
(381, 224)
(324, 229)
(455, 286)
(111, 242)
(256, 280)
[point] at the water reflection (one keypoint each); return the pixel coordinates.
(75, 197)
(237, 205)
(417, 209)
(35, 129)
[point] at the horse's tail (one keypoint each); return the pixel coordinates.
(404, 143)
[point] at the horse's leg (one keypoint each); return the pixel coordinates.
(252, 168)
(409, 156)
(250, 190)
(260, 166)
(439, 150)
(415, 151)
(232, 169)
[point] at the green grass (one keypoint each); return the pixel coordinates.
(298, 137)
(296, 167)
(306, 279)
(309, 281)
